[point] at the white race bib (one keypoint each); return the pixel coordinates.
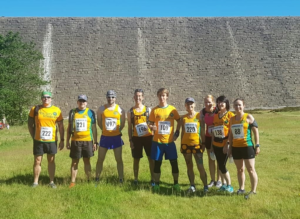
(164, 128)
(46, 133)
(81, 125)
(237, 131)
(191, 127)
(210, 129)
(111, 124)
(219, 131)
(141, 129)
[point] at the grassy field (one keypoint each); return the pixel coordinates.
(278, 193)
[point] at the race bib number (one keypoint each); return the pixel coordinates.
(237, 131)
(191, 127)
(219, 131)
(111, 124)
(81, 125)
(164, 128)
(210, 129)
(46, 133)
(141, 129)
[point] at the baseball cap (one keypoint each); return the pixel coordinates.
(111, 93)
(82, 97)
(189, 99)
(46, 93)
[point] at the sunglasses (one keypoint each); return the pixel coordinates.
(110, 97)
(46, 97)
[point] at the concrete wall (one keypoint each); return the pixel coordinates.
(254, 58)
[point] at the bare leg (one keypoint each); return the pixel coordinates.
(240, 172)
(101, 156)
(37, 168)
(212, 166)
(199, 161)
(74, 169)
(136, 164)
(250, 165)
(151, 167)
(190, 170)
(87, 167)
(51, 166)
(118, 157)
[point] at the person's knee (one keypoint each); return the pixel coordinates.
(119, 159)
(157, 165)
(223, 169)
(174, 165)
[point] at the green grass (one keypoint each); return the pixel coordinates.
(278, 193)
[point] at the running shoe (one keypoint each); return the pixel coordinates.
(34, 185)
(156, 188)
(135, 182)
(218, 184)
(211, 184)
(250, 194)
(205, 189)
(72, 184)
(191, 190)
(152, 183)
(229, 189)
(176, 188)
(240, 192)
(222, 188)
(97, 182)
(52, 185)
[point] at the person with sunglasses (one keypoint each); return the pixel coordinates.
(42, 121)
(140, 136)
(82, 128)
(111, 120)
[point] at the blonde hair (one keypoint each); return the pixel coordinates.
(161, 91)
(209, 96)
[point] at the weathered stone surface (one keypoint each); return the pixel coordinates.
(255, 58)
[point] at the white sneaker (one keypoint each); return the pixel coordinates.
(191, 190)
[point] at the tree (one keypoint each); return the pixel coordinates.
(20, 77)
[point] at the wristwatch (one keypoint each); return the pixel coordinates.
(257, 145)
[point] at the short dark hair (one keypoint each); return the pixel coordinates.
(139, 90)
(239, 99)
(221, 99)
(162, 91)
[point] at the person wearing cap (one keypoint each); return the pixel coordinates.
(140, 136)
(42, 127)
(111, 120)
(190, 144)
(161, 121)
(82, 128)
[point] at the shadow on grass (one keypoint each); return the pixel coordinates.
(27, 179)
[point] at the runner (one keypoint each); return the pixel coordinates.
(190, 144)
(161, 121)
(207, 116)
(42, 122)
(140, 136)
(220, 139)
(111, 120)
(242, 147)
(82, 128)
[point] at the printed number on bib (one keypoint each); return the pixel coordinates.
(210, 129)
(81, 125)
(164, 127)
(219, 131)
(111, 124)
(46, 133)
(237, 131)
(141, 129)
(190, 127)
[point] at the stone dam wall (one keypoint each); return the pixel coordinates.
(256, 58)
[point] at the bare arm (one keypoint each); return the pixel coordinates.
(30, 125)
(68, 137)
(99, 118)
(94, 130)
(123, 119)
(61, 133)
(129, 129)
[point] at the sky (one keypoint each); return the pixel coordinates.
(148, 8)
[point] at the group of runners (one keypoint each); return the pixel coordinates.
(215, 129)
